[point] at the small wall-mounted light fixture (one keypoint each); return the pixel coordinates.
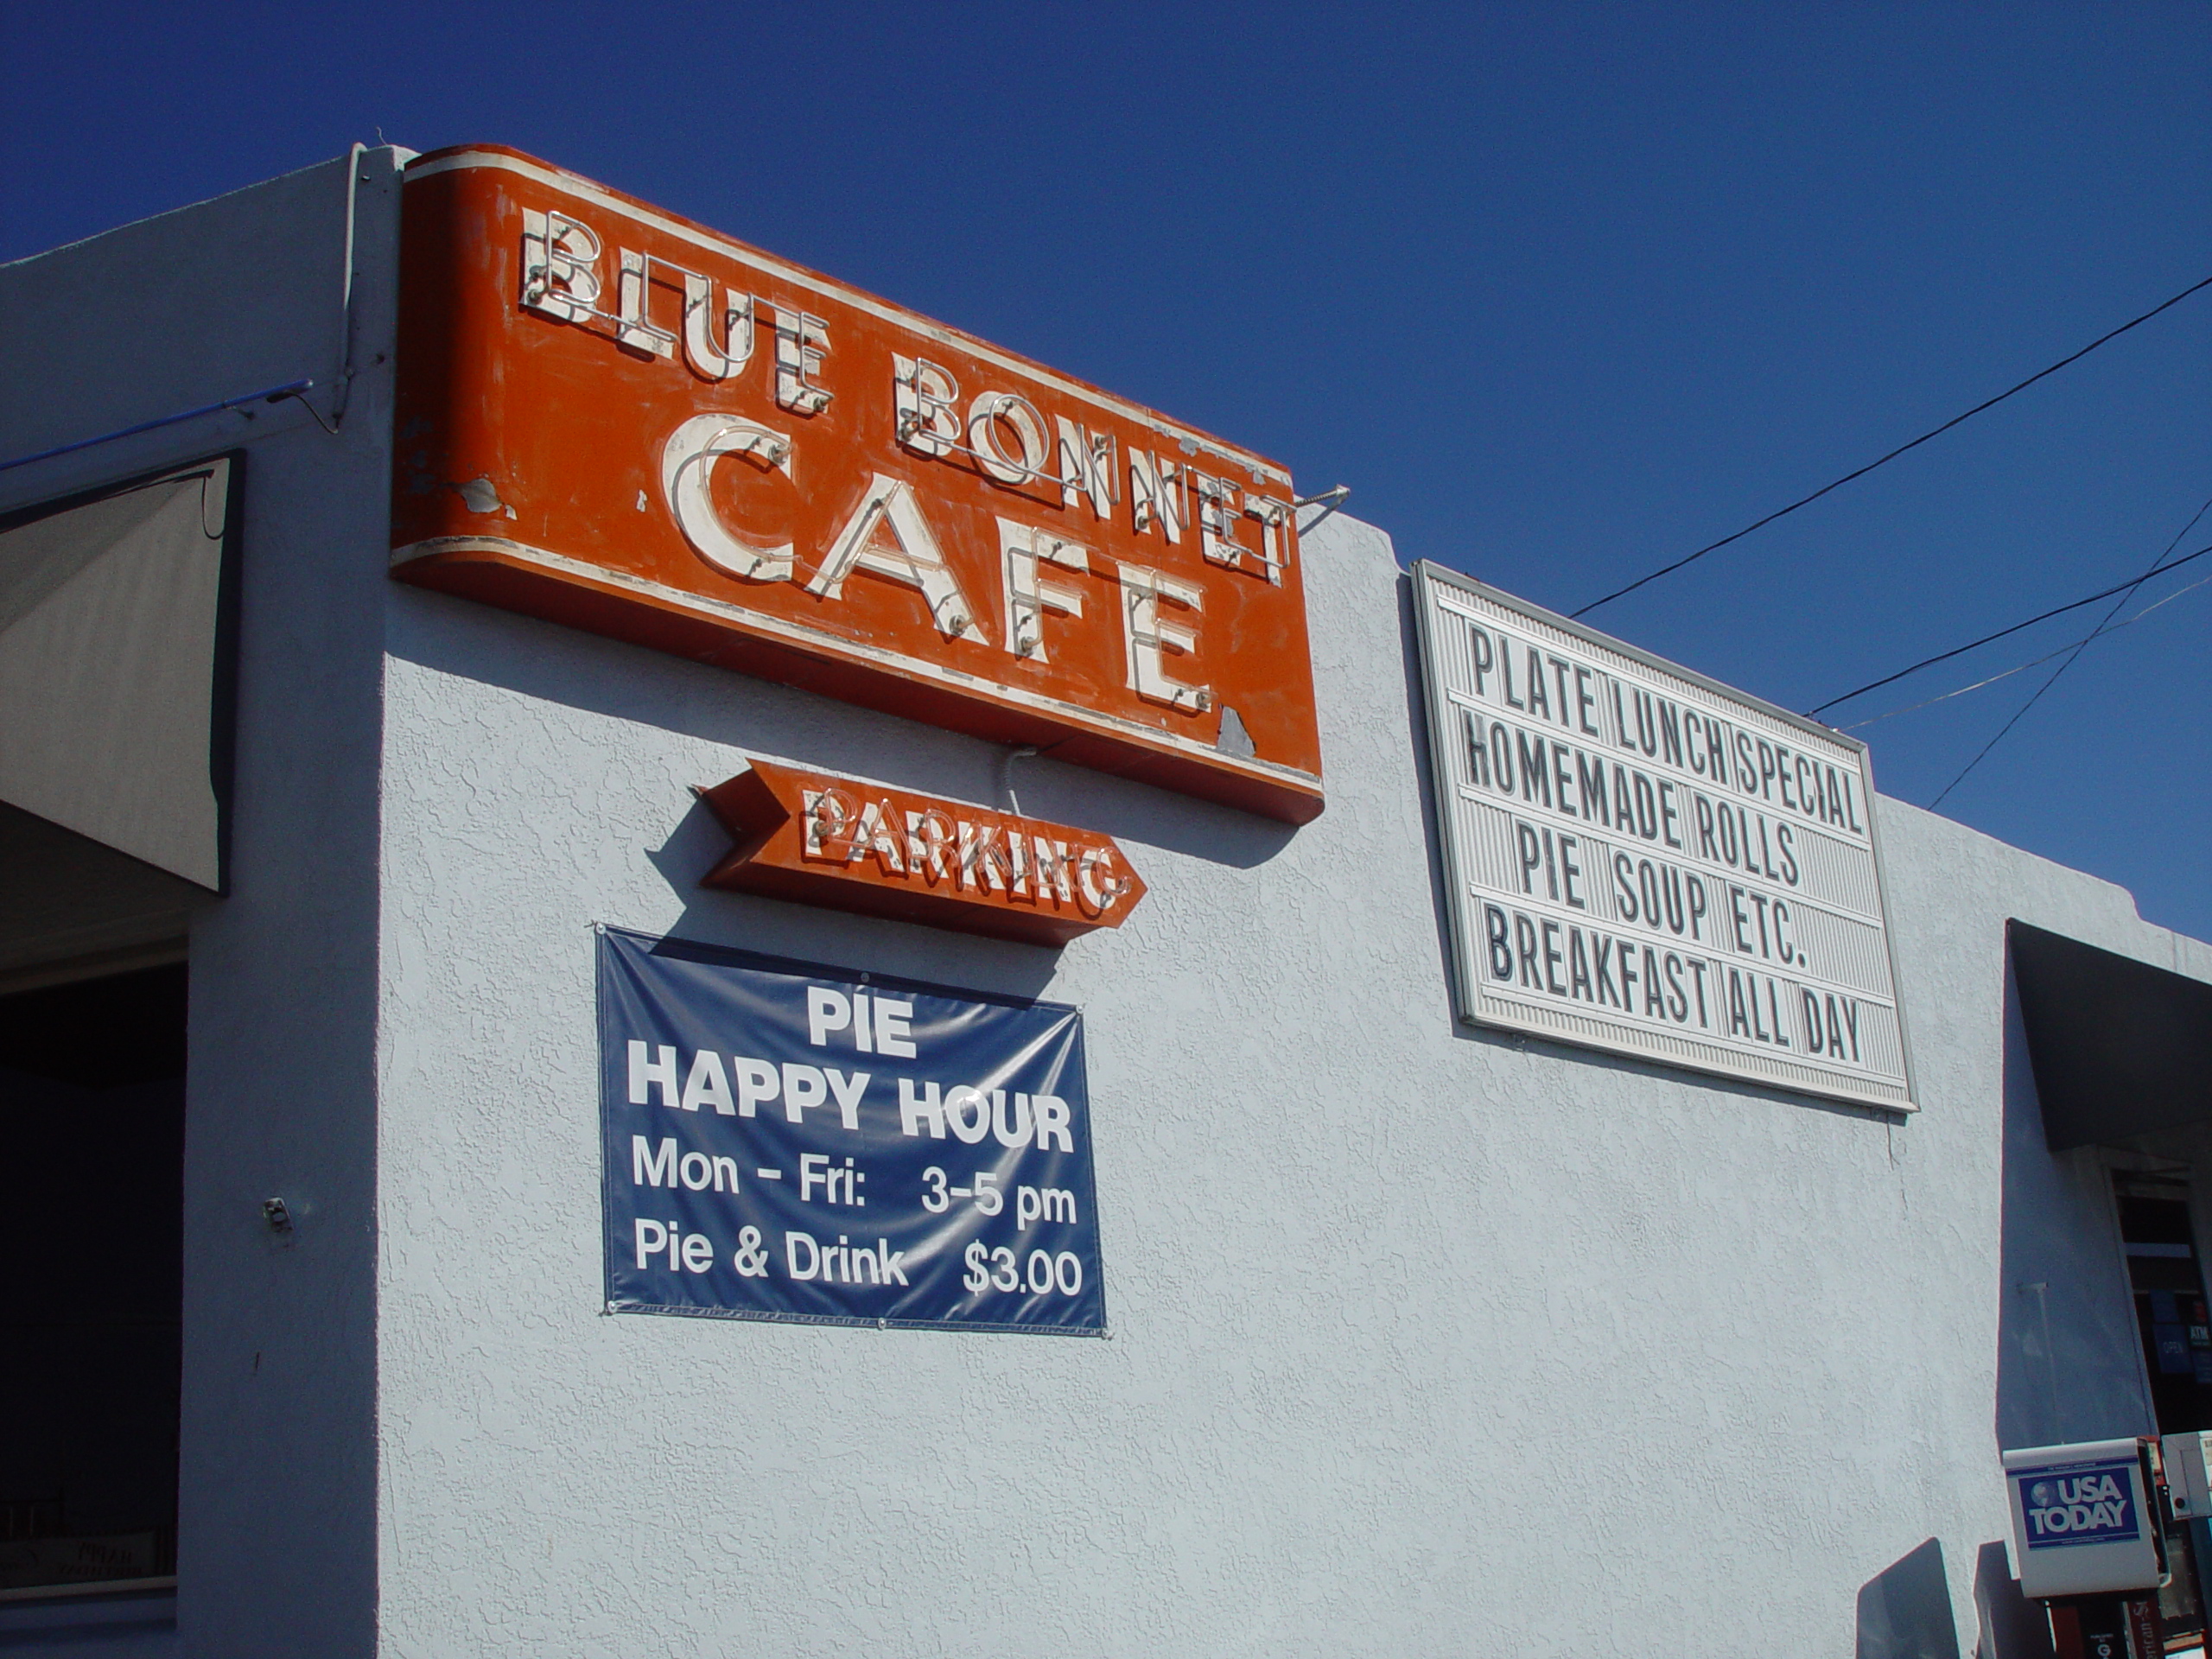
(278, 1217)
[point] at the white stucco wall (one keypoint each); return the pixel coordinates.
(1425, 1340)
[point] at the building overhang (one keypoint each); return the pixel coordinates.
(2120, 1047)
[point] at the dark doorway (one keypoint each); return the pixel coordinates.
(2175, 1327)
(2170, 1305)
(92, 1105)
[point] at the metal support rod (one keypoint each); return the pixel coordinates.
(1006, 777)
(1328, 501)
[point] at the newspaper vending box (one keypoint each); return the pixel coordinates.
(2088, 1540)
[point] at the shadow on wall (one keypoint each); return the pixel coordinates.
(1416, 729)
(603, 678)
(2066, 1372)
(1905, 1610)
(2066, 1338)
(2012, 1627)
(2067, 1367)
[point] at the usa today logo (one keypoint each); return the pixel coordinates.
(2091, 1504)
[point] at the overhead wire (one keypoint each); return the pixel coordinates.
(1934, 432)
(2158, 566)
(2122, 588)
(2033, 662)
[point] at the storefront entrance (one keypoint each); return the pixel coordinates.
(2170, 1310)
(2174, 1324)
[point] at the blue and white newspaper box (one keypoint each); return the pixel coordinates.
(2085, 1519)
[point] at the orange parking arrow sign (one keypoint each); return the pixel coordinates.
(817, 839)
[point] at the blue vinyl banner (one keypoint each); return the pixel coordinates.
(789, 1141)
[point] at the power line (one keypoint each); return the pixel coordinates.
(2033, 662)
(1936, 432)
(2124, 587)
(2018, 715)
(2036, 696)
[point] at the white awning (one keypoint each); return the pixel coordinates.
(114, 671)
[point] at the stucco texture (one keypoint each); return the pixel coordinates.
(1425, 1340)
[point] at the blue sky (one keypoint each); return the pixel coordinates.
(1561, 291)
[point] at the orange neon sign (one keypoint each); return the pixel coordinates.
(847, 845)
(615, 419)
